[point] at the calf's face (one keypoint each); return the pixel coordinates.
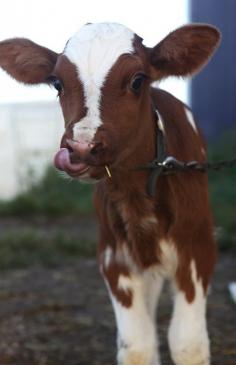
(103, 79)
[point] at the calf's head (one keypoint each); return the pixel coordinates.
(103, 80)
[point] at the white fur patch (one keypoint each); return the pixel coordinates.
(124, 283)
(190, 119)
(94, 49)
(188, 337)
(107, 257)
(152, 278)
(160, 121)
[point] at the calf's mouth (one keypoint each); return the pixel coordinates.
(62, 161)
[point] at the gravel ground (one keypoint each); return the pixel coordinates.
(62, 316)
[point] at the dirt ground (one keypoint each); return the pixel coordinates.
(62, 316)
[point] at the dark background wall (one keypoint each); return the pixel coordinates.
(213, 91)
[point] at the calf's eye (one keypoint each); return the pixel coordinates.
(58, 86)
(56, 83)
(137, 82)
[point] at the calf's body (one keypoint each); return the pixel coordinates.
(111, 113)
(145, 241)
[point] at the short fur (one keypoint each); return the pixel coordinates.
(143, 240)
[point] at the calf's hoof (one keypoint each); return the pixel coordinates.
(134, 357)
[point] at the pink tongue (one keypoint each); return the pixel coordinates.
(62, 162)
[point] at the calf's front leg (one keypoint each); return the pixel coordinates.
(136, 337)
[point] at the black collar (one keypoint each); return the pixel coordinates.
(156, 165)
(164, 164)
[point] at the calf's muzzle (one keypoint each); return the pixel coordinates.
(77, 157)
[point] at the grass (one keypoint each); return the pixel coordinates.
(30, 246)
(53, 196)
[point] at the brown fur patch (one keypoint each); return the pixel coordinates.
(184, 51)
(112, 272)
(26, 61)
(72, 96)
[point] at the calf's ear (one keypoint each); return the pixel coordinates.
(184, 51)
(26, 61)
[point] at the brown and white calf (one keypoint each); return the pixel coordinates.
(104, 79)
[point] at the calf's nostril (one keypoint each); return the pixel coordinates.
(79, 149)
(98, 147)
(70, 149)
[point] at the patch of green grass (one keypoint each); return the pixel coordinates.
(52, 196)
(30, 247)
(223, 189)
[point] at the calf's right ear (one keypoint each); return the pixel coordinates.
(26, 61)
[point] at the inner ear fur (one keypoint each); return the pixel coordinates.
(184, 51)
(26, 61)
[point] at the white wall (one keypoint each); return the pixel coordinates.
(29, 137)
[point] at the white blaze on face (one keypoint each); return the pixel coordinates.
(94, 50)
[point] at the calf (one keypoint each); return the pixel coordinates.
(112, 117)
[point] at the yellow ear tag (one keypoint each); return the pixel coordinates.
(108, 171)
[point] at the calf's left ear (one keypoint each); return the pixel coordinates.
(184, 51)
(26, 61)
